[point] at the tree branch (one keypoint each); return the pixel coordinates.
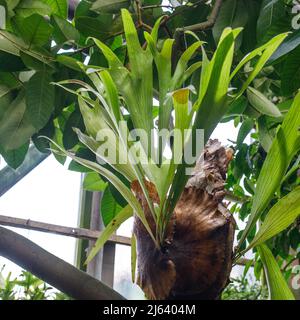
(206, 24)
(53, 270)
(79, 233)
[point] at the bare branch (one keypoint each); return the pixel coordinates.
(206, 24)
(58, 273)
(79, 233)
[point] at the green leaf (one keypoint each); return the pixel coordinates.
(28, 7)
(15, 125)
(133, 257)
(265, 137)
(111, 6)
(10, 63)
(70, 138)
(265, 52)
(261, 103)
(58, 7)
(64, 31)
(271, 13)
(40, 98)
(278, 288)
(233, 14)
(289, 44)
(109, 207)
(35, 30)
(279, 217)
(284, 147)
(290, 75)
(102, 27)
(93, 182)
(245, 128)
(123, 215)
(6, 45)
(14, 158)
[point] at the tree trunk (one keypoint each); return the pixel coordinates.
(196, 258)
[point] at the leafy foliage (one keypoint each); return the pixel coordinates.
(123, 65)
(27, 287)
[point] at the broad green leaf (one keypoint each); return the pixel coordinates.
(40, 98)
(70, 138)
(280, 216)
(109, 207)
(15, 125)
(69, 62)
(289, 44)
(93, 182)
(233, 14)
(35, 30)
(290, 74)
(6, 45)
(133, 257)
(278, 288)
(111, 6)
(261, 103)
(271, 14)
(27, 8)
(284, 147)
(31, 62)
(265, 52)
(10, 63)
(244, 130)
(14, 158)
(102, 27)
(123, 215)
(265, 137)
(64, 31)
(58, 7)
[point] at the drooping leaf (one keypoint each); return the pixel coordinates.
(64, 31)
(93, 182)
(35, 30)
(245, 128)
(14, 158)
(40, 98)
(15, 126)
(58, 7)
(262, 103)
(123, 215)
(27, 8)
(280, 216)
(271, 14)
(111, 6)
(70, 138)
(109, 207)
(284, 147)
(233, 13)
(290, 75)
(278, 288)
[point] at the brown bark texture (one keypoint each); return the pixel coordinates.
(195, 259)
